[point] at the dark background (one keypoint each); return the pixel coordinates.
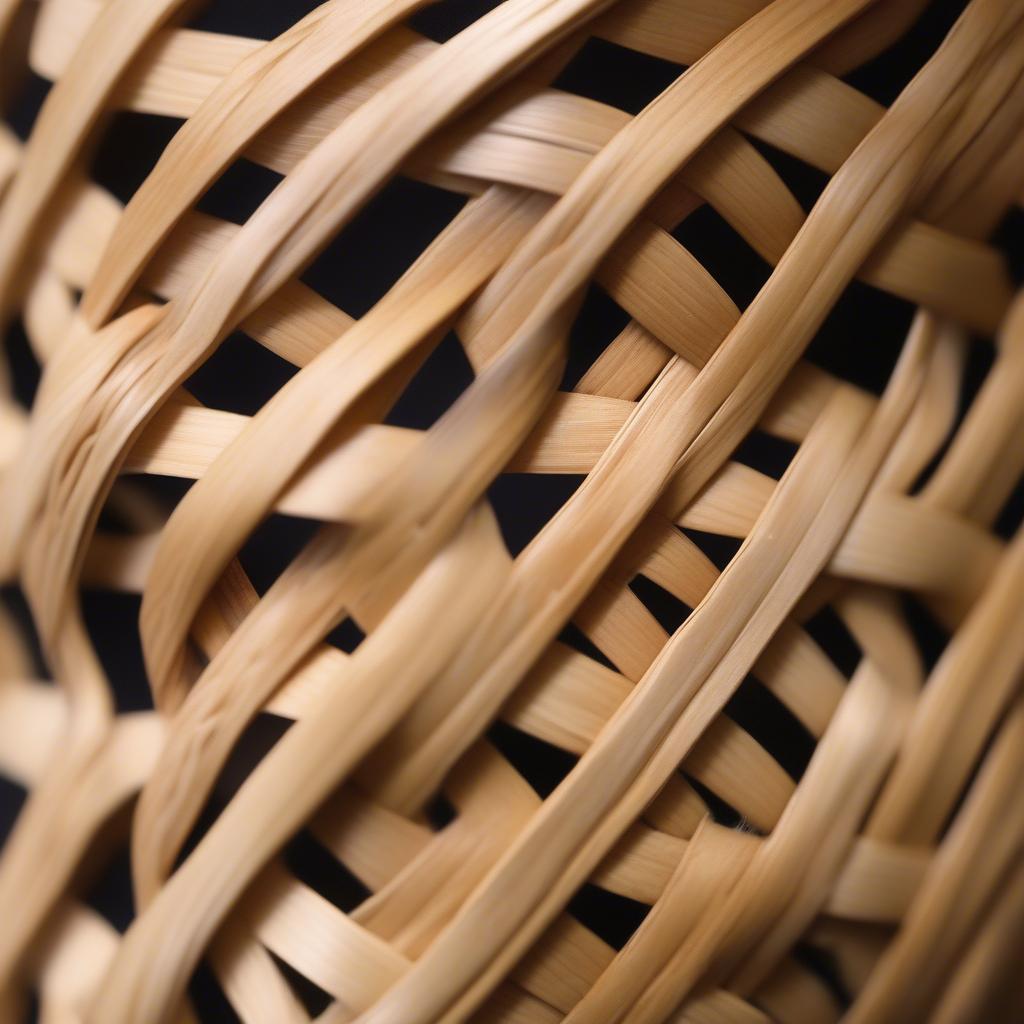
(860, 341)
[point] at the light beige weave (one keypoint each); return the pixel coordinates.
(898, 853)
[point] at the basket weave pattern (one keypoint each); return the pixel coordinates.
(895, 856)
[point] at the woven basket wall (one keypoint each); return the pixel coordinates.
(518, 517)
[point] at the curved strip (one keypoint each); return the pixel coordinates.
(68, 115)
(241, 106)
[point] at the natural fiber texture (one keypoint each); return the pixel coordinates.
(883, 881)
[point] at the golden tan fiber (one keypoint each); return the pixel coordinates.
(894, 857)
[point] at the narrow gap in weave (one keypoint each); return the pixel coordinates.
(884, 77)
(162, 491)
(208, 999)
(110, 894)
(237, 193)
(16, 607)
(33, 1010)
(445, 374)
(930, 637)
(572, 636)
(617, 75)
(1011, 517)
(309, 994)
(670, 612)
(441, 21)
(823, 964)
(599, 321)
(117, 520)
(346, 636)
(757, 710)
(128, 150)
(381, 242)
(317, 867)
(722, 812)
(272, 547)
(766, 453)
(804, 181)
(828, 630)
(524, 502)
(239, 376)
(719, 549)
(439, 812)
(862, 336)
(111, 618)
(113, 520)
(608, 915)
(255, 742)
(26, 103)
(968, 781)
(12, 799)
(22, 365)
(723, 253)
(245, 18)
(542, 764)
(1009, 238)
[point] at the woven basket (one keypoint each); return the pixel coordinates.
(659, 659)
